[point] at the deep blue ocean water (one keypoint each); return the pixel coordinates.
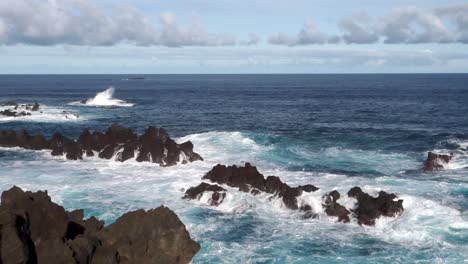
(333, 131)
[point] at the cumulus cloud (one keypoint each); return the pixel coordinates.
(309, 34)
(406, 25)
(358, 29)
(413, 25)
(82, 22)
(458, 13)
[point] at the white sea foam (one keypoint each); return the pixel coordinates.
(460, 154)
(47, 114)
(108, 188)
(104, 99)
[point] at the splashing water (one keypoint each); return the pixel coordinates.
(104, 99)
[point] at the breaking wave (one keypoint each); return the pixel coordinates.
(104, 99)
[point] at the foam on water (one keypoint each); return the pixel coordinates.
(459, 149)
(104, 99)
(47, 114)
(247, 228)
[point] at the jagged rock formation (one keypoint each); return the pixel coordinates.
(333, 208)
(117, 142)
(436, 161)
(218, 193)
(248, 179)
(33, 229)
(14, 109)
(370, 208)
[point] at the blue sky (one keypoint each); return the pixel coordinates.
(228, 36)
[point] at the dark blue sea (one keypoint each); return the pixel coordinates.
(333, 131)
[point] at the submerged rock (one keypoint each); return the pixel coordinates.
(117, 142)
(370, 208)
(436, 161)
(36, 230)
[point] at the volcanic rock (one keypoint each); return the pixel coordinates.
(247, 177)
(117, 142)
(370, 208)
(217, 197)
(333, 208)
(436, 161)
(36, 230)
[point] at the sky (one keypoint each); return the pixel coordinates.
(233, 36)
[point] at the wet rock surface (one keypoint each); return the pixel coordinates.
(370, 208)
(36, 230)
(217, 196)
(13, 109)
(248, 179)
(333, 208)
(436, 161)
(116, 142)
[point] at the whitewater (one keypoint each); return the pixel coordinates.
(103, 99)
(334, 140)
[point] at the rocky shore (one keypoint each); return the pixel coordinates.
(247, 179)
(13, 109)
(33, 229)
(117, 142)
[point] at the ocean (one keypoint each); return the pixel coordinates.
(332, 131)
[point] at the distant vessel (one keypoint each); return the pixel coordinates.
(136, 78)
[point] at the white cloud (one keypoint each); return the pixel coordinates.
(82, 22)
(413, 25)
(358, 29)
(309, 34)
(406, 25)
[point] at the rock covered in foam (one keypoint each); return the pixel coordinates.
(13, 109)
(217, 196)
(436, 161)
(36, 230)
(117, 142)
(248, 179)
(370, 208)
(333, 208)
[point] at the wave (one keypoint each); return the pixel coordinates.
(459, 149)
(46, 114)
(103, 99)
(430, 221)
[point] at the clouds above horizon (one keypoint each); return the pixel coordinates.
(85, 23)
(82, 22)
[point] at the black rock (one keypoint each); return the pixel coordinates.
(36, 230)
(333, 208)
(436, 161)
(195, 193)
(370, 208)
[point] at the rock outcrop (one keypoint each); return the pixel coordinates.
(370, 208)
(436, 161)
(117, 142)
(33, 229)
(333, 208)
(217, 196)
(248, 179)
(13, 109)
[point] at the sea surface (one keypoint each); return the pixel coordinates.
(333, 131)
